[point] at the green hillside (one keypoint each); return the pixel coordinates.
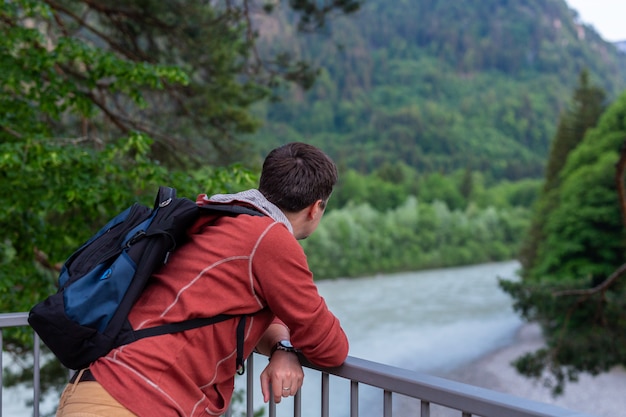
(443, 84)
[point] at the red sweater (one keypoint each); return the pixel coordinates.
(243, 265)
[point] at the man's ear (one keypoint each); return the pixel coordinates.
(315, 209)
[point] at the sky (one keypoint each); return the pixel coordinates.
(608, 17)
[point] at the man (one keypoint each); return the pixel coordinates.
(246, 265)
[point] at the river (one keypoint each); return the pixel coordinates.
(428, 321)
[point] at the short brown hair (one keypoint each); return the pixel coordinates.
(296, 175)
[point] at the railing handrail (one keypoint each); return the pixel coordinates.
(13, 319)
(456, 395)
(469, 399)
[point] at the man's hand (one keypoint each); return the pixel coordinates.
(282, 377)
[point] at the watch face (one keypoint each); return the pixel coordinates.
(285, 346)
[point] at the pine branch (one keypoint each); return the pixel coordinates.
(621, 192)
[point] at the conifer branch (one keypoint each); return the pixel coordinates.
(621, 192)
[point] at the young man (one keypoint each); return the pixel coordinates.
(246, 265)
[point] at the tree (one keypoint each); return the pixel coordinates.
(576, 288)
(102, 101)
(588, 103)
(183, 72)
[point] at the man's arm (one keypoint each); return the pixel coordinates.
(287, 286)
(283, 375)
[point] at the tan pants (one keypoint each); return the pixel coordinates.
(89, 399)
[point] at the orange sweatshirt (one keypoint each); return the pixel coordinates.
(243, 265)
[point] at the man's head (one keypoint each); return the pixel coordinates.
(297, 175)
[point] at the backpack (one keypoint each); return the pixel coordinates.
(99, 283)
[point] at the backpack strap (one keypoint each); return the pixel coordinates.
(241, 327)
(231, 209)
(194, 324)
(180, 326)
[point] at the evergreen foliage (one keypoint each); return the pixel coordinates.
(184, 73)
(575, 286)
(588, 103)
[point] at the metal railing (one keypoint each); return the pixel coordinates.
(465, 400)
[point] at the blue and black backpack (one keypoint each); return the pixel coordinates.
(99, 283)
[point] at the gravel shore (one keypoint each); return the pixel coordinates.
(603, 395)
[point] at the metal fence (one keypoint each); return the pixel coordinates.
(459, 399)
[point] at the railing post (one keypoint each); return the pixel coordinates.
(387, 404)
(36, 373)
(354, 399)
(297, 404)
(1, 369)
(272, 405)
(325, 394)
(250, 387)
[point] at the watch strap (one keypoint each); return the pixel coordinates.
(285, 346)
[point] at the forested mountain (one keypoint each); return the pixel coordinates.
(443, 84)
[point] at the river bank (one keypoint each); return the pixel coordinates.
(602, 395)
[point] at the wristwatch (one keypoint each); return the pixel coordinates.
(285, 346)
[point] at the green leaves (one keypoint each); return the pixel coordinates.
(48, 75)
(359, 240)
(576, 243)
(183, 72)
(96, 111)
(55, 194)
